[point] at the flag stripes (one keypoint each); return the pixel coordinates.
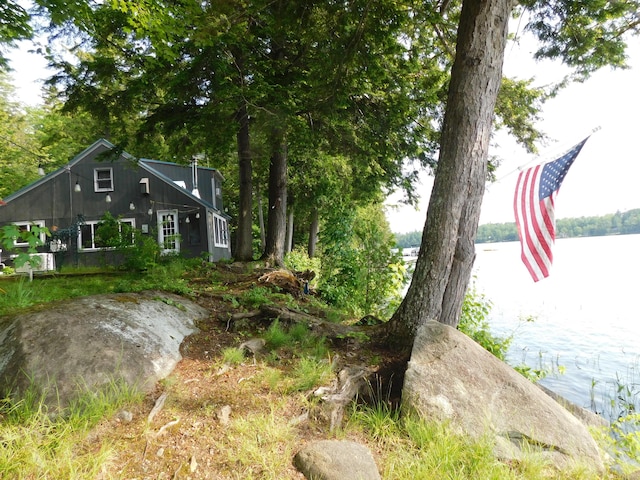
(534, 202)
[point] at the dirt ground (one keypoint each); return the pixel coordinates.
(219, 421)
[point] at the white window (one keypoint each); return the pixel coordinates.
(168, 234)
(27, 227)
(217, 193)
(88, 241)
(103, 179)
(220, 231)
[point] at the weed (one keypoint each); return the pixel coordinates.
(19, 294)
(38, 445)
(263, 445)
(256, 297)
(276, 337)
(171, 302)
(299, 332)
(227, 297)
(310, 373)
(232, 356)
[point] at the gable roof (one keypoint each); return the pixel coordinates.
(102, 143)
(157, 168)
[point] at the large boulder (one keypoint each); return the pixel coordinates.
(85, 343)
(453, 379)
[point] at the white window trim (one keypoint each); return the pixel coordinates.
(220, 231)
(95, 179)
(161, 239)
(94, 223)
(38, 223)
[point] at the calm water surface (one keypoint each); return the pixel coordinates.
(585, 315)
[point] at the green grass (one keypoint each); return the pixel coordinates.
(232, 356)
(37, 444)
(263, 445)
(18, 293)
(410, 448)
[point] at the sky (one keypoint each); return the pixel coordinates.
(605, 176)
(603, 179)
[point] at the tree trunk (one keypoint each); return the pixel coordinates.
(263, 241)
(244, 247)
(313, 233)
(446, 254)
(277, 217)
(289, 246)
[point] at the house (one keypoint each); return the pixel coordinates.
(180, 206)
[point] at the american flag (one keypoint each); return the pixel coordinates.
(533, 204)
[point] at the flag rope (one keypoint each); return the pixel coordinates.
(537, 159)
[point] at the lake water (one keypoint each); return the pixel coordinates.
(585, 315)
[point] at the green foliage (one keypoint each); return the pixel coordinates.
(143, 255)
(626, 432)
(297, 339)
(584, 35)
(108, 234)
(359, 270)
(298, 260)
(23, 294)
(409, 447)
(31, 237)
(256, 296)
(19, 294)
(276, 337)
(409, 239)
(167, 276)
(138, 251)
(475, 324)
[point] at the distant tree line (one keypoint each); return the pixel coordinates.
(619, 223)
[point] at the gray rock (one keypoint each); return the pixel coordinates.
(336, 460)
(88, 342)
(125, 416)
(224, 415)
(451, 378)
(589, 418)
(253, 346)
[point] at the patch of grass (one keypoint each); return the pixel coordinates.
(309, 373)
(263, 445)
(273, 379)
(408, 447)
(255, 297)
(276, 337)
(36, 444)
(17, 294)
(227, 297)
(299, 332)
(232, 356)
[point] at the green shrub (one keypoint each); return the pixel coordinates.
(143, 254)
(255, 297)
(475, 324)
(360, 273)
(298, 260)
